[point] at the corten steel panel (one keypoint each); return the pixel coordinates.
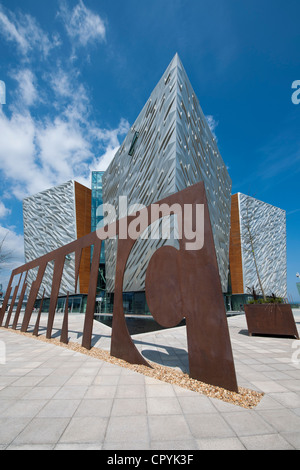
(57, 275)
(271, 319)
(38, 319)
(20, 303)
(13, 300)
(64, 337)
(235, 249)
(182, 283)
(175, 149)
(6, 299)
(33, 295)
(83, 198)
(186, 284)
(90, 305)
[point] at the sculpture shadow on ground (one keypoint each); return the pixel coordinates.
(265, 335)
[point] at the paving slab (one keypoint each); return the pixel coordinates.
(56, 398)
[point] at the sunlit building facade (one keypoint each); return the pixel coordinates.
(54, 218)
(257, 248)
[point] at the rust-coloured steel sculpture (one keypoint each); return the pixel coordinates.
(179, 284)
(12, 303)
(64, 329)
(20, 303)
(37, 323)
(6, 299)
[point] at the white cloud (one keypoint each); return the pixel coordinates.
(111, 138)
(25, 32)
(293, 212)
(11, 33)
(212, 124)
(35, 157)
(43, 147)
(37, 150)
(104, 161)
(62, 83)
(82, 25)
(35, 154)
(111, 135)
(4, 211)
(16, 145)
(62, 148)
(28, 94)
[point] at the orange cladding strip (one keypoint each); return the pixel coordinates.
(83, 202)
(235, 250)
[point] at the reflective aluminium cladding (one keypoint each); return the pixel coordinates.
(54, 218)
(97, 206)
(169, 147)
(262, 229)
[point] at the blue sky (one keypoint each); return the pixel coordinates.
(78, 73)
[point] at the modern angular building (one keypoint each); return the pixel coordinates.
(54, 218)
(169, 147)
(257, 247)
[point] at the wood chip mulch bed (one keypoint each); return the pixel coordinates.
(245, 398)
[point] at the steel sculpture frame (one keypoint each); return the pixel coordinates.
(180, 283)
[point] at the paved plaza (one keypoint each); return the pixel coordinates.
(54, 398)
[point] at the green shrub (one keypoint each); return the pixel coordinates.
(269, 300)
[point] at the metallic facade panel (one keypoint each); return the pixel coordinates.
(198, 159)
(268, 229)
(169, 147)
(49, 223)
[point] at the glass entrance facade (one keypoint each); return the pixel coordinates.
(76, 304)
(97, 209)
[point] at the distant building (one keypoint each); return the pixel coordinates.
(52, 219)
(102, 300)
(259, 227)
(97, 209)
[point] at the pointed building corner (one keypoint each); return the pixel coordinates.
(178, 60)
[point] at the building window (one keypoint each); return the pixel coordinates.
(133, 144)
